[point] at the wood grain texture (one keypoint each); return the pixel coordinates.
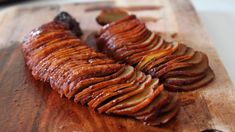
(29, 105)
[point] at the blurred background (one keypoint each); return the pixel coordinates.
(217, 16)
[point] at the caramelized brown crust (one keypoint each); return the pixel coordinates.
(179, 67)
(55, 55)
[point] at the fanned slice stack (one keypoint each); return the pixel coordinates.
(178, 66)
(55, 55)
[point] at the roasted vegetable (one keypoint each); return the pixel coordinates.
(109, 15)
(55, 55)
(179, 67)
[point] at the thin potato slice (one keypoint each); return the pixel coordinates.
(148, 58)
(208, 78)
(140, 89)
(155, 120)
(117, 23)
(140, 79)
(71, 90)
(184, 80)
(113, 91)
(145, 102)
(200, 66)
(154, 107)
(173, 103)
(134, 100)
(129, 71)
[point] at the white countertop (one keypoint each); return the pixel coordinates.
(218, 17)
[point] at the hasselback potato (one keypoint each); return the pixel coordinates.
(179, 67)
(55, 54)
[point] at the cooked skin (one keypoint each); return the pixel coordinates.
(178, 66)
(109, 15)
(55, 54)
(188, 87)
(120, 21)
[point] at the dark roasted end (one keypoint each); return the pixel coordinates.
(69, 22)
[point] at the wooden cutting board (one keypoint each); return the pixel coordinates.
(29, 105)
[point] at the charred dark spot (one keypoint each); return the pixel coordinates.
(69, 22)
